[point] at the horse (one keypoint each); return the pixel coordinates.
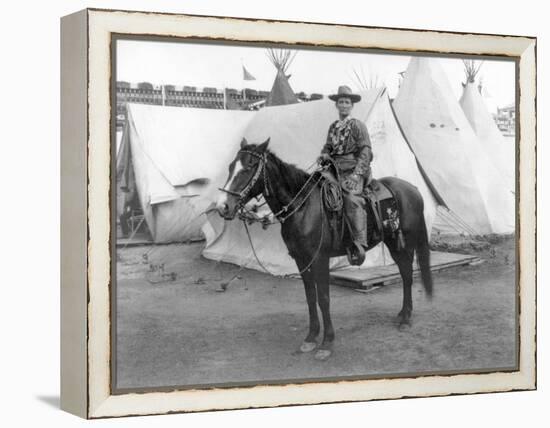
(298, 203)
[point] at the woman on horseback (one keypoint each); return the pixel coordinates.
(348, 146)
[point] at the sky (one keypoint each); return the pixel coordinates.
(312, 71)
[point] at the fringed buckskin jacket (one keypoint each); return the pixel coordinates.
(348, 143)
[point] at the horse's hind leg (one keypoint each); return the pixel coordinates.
(404, 260)
(310, 342)
(321, 275)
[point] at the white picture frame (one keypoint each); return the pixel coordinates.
(86, 204)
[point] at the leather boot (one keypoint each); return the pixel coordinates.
(357, 218)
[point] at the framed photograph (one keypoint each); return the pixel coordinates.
(251, 210)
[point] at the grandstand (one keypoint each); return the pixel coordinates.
(191, 96)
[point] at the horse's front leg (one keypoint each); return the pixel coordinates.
(310, 342)
(321, 276)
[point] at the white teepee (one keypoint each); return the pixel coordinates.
(488, 98)
(451, 153)
(500, 150)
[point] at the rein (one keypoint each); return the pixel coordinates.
(283, 214)
(308, 266)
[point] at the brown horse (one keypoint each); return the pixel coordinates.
(296, 201)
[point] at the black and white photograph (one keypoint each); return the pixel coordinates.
(293, 214)
(270, 214)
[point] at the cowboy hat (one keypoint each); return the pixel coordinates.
(345, 92)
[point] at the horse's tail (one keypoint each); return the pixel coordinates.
(423, 257)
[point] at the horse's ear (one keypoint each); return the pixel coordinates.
(263, 147)
(244, 143)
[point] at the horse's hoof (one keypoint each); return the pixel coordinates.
(404, 324)
(323, 354)
(307, 347)
(404, 314)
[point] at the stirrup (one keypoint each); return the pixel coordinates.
(356, 254)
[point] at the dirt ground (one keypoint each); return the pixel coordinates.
(188, 332)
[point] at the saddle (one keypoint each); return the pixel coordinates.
(383, 204)
(380, 203)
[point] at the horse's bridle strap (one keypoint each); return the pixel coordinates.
(231, 192)
(253, 180)
(285, 212)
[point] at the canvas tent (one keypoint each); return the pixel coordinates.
(297, 134)
(281, 93)
(500, 150)
(172, 156)
(118, 140)
(447, 147)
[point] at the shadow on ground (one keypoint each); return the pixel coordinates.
(50, 400)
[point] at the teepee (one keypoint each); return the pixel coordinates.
(281, 93)
(366, 81)
(500, 150)
(488, 98)
(451, 153)
(297, 134)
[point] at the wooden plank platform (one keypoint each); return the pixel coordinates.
(366, 279)
(141, 241)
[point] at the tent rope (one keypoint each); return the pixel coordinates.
(133, 233)
(448, 222)
(458, 227)
(455, 221)
(463, 223)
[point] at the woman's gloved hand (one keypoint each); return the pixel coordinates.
(323, 158)
(351, 183)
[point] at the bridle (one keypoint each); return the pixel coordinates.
(282, 214)
(244, 193)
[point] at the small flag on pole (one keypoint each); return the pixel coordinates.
(247, 75)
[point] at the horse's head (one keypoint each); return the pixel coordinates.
(245, 180)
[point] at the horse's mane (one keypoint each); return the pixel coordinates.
(291, 176)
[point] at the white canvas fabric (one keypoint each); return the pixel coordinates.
(501, 150)
(297, 134)
(489, 101)
(176, 155)
(118, 140)
(448, 149)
